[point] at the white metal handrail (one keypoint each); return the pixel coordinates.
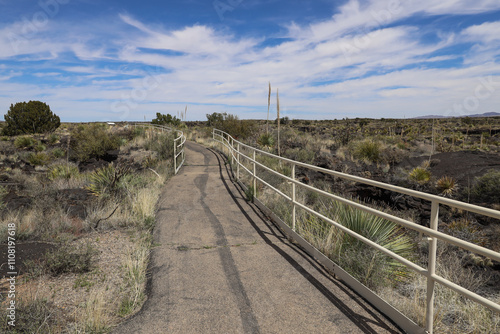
(234, 151)
(178, 143)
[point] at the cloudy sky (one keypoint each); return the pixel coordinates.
(94, 60)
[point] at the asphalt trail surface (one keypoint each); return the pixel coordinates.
(222, 267)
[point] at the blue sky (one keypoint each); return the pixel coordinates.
(94, 60)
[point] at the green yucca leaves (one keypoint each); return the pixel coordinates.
(368, 265)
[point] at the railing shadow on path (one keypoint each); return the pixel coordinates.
(360, 321)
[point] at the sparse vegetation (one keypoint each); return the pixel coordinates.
(54, 203)
(486, 188)
(422, 154)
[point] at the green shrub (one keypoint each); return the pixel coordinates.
(92, 141)
(38, 159)
(162, 144)
(66, 259)
(63, 171)
(58, 152)
(24, 142)
(167, 120)
(30, 117)
(487, 187)
(239, 129)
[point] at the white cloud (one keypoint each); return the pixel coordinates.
(353, 64)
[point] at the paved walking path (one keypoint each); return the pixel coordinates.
(221, 267)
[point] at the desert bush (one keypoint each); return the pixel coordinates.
(58, 152)
(38, 159)
(486, 187)
(30, 117)
(300, 154)
(237, 128)
(92, 141)
(24, 142)
(63, 171)
(167, 119)
(162, 144)
(68, 259)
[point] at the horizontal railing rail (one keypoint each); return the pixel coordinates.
(236, 155)
(179, 141)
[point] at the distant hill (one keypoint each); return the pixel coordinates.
(486, 114)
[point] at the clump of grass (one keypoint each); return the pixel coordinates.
(95, 318)
(144, 202)
(24, 142)
(33, 315)
(369, 150)
(446, 186)
(40, 147)
(63, 171)
(135, 277)
(38, 159)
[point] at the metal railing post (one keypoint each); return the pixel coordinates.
(175, 156)
(431, 269)
(238, 162)
(293, 198)
(254, 175)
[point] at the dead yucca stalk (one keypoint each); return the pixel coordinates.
(268, 105)
(278, 109)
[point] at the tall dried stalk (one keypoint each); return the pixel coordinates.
(278, 109)
(268, 105)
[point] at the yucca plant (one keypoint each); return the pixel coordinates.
(106, 180)
(420, 175)
(368, 265)
(266, 140)
(446, 186)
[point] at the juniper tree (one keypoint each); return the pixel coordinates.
(30, 117)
